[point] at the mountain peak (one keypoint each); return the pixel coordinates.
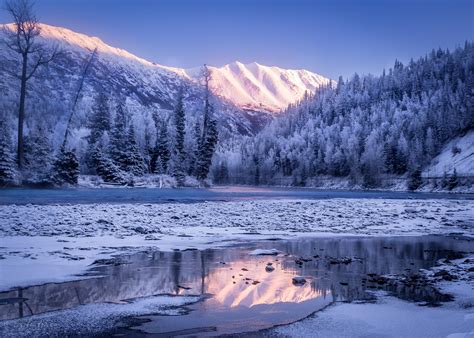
(257, 87)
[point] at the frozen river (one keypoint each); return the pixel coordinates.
(233, 193)
(234, 289)
(159, 262)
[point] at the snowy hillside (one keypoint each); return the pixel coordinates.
(457, 154)
(249, 91)
(117, 72)
(262, 88)
(252, 86)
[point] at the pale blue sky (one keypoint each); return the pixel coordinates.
(337, 37)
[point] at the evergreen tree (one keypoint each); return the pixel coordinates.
(118, 139)
(209, 134)
(104, 166)
(134, 162)
(7, 160)
(38, 155)
(148, 150)
(444, 180)
(222, 174)
(179, 155)
(99, 125)
(179, 123)
(414, 180)
(161, 153)
(99, 120)
(206, 149)
(194, 154)
(256, 162)
(66, 167)
(453, 180)
(159, 167)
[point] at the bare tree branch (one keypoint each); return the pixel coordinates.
(25, 26)
(43, 61)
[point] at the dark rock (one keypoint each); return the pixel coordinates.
(445, 275)
(343, 260)
(298, 280)
(269, 268)
(140, 230)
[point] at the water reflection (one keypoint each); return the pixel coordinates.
(244, 295)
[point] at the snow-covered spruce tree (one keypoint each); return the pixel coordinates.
(134, 162)
(108, 171)
(148, 148)
(98, 123)
(158, 166)
(99, 120)
(194, 151)
(178, 156)
(7, 161)
(104, 166)
(161, 152)
(66, 167)
(206, 149)
(209, 134)
(38, 156)
(118, 137)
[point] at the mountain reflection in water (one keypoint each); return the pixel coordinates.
(242, 294)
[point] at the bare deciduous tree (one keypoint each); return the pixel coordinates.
(21, 38)
(85, 69)
(206, 78)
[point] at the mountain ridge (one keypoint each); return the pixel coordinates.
(260, 87)
(249, 86)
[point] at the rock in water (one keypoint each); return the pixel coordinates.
(269, 267)
(298, 280)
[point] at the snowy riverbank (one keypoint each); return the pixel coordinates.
(393, 183)
(389, 316)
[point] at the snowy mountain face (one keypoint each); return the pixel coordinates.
(244, 94)
(262, 88)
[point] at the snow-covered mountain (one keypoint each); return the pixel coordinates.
(246, 93)
(262, 88)
(251, 86)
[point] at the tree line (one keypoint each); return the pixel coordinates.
(364, 128)
(112, 151)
